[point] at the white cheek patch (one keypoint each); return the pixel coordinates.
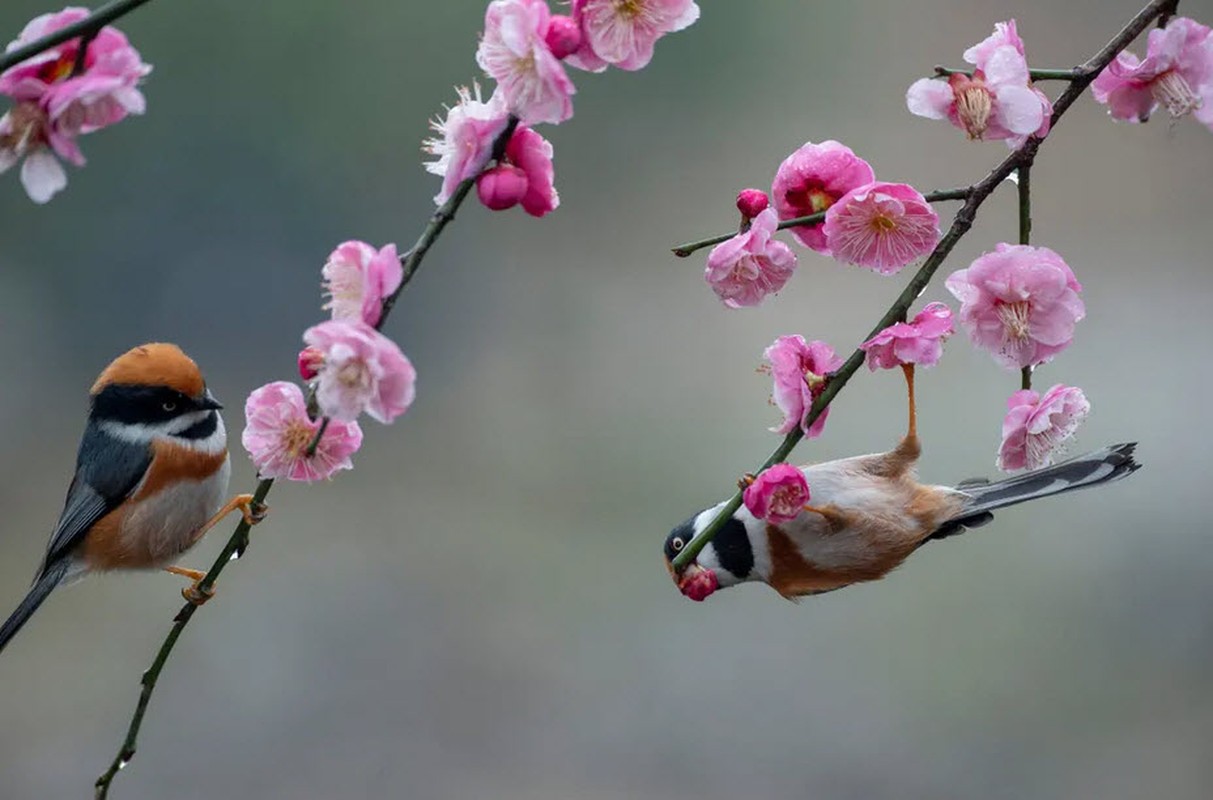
(146, 433)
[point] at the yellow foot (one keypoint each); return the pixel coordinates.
(252, 511)
(194, 593)
(745, 481)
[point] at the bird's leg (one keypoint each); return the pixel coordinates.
(252, 513)
(908, 370)
(195, 594)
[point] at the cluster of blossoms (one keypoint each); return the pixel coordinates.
(353, 369)
(870, 223)
(61, 94)
(525, 48)
(1019, 303)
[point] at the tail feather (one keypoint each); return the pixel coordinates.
(1093, 469)
(42, 587)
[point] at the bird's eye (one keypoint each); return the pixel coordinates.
(169, 406)
(678, 544)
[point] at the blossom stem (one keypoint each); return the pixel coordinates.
(1025, 378)
(86, 27)
(961, 224)
(239, 540)
(1072, 74)
(684, 250)
(1024, 184)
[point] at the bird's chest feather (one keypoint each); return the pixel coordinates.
(180, 491)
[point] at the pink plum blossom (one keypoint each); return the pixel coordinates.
(1036, 428)
(363, 370)
(501, 187)
(778, 494)
(278, 432)
(882, 226)
(751, 265)
(811, 180)
(919, 341)
(53, 107)
(752, 202)
(1019, 302)
(532, 153)
(1176, 73)
(622, 33)
(465, 138)
(26, 132)
(799, 370)
(514, 51)
(997, 102)
(358, 278)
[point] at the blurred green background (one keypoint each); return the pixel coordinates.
(479, 609)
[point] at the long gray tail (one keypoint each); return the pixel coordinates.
(42, 587)
(1093, 469)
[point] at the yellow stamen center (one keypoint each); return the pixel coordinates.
(1014, 318)
(1173, 92)
(296, 438)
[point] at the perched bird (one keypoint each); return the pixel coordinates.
(869, 514)
(151, 474)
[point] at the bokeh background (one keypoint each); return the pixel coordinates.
(479, 609)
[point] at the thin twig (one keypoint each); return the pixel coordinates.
(684, 250)
(1024, 183)
(87, 27)
(1072, 74)
(239, 539)
(960, 226)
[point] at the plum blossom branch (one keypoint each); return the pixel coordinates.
(86, 28)
(1024, 184)
(239, 540)
(684, 250)
(961, 223)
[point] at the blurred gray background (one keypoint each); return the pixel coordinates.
(479, 609)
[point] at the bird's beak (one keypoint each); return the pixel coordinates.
(697, 583)
(209, 402)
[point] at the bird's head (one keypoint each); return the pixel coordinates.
(727, 560)
(154, 389)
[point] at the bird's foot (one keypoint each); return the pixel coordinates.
(195, 593)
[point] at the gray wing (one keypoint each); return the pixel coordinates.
(107, 472)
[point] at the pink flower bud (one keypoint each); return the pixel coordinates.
(752, 202)
(501, 187)
(563, 36)
(310, 362)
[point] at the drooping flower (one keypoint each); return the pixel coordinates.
(278, 432)
(811, 180)
(465, 138)
(532, 153)
(514, 51)
(778, 494)
(882, 226)
(751, 265)
(309, 361)
(622, 33)
(1036, 428)
(997, 101)
(799, 370)
(697, 583)
(919, 341)
(358, 278)
(1019, 302)
(54, 106)
(1177, 73)
(26, 132)
(363, 370)
(501, 187)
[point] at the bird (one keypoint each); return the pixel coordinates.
(152, 472)
(869, 514)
